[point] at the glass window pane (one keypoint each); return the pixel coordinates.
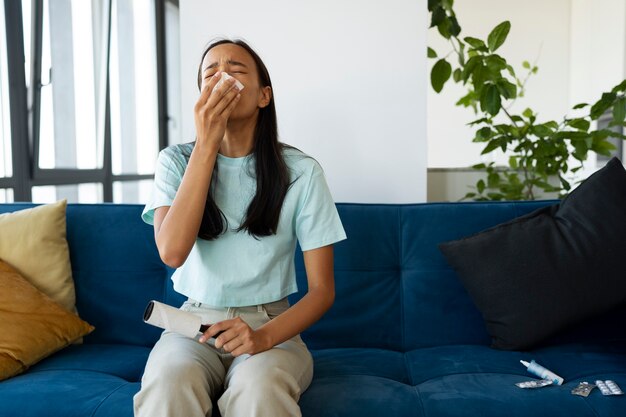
(6, 195)
(68, 132)
(172, 50)
(75, 193)
(132, 192)
(134, 112)
(26, 25)
(6, 165)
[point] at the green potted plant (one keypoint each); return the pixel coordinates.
(539, 150)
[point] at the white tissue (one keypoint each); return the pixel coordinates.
(226, 76)
(173, 319)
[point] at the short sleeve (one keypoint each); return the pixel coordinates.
(317, 220)
(168, 175)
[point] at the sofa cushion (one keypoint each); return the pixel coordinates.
(60, 393)
(360, 361)
(540, 273)
(573, 362)
(123, 361)
(359, 395)
(468, 380)
(119, 403)
(32, 325)
(359, 382)
(39, 233)
(496, 395)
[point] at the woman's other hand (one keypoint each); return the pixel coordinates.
(237, 337)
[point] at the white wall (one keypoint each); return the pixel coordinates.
(539, 32)
(349, 80)
(598, 53)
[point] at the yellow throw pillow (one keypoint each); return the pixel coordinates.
(32, 326)
(33, 242)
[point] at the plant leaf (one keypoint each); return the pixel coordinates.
(603, 148)
(477, 121)
(507, 88)
(498, 35)
(490, 100)
(469, 67)
(438, 16)
(456, 75)
(528, 113)
(484, 132)
(440, 74)
(602, 105)
(480, 77)
(580, 106)
(446, 4)
(444, 27)
(580, 124)
(619, 110)
(620, 87)
(496, 63)
(431, 53)
(455, 29)
(476, 43)
(480, 186)
(541, 131)
(493, 144)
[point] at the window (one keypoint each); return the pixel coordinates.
(6, 167)
(97, 108)
(134, 112)
(68, 90)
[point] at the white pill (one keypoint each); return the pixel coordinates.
(615, 390)
(603, 388)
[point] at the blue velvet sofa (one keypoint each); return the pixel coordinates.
(402, 339)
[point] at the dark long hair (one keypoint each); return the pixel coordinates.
(272, 174)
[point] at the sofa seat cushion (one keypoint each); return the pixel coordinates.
(120, 402)
(360, 361)
(586, 361)
(471, 380)
(67, 393)
(495, 395)
(574, 362)
(359, 382)
(122, 361)
(431, 363)
(359, 395)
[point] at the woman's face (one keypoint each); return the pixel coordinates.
(237, 62)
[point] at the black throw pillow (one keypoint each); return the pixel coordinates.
(543, 272)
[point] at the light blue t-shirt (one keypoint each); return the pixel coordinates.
(236, 269)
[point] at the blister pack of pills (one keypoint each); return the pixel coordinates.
(608, 387)
(535, 383)
(583, 389)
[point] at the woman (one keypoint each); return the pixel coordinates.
(227, 210)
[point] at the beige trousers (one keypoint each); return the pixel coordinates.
(183, 377)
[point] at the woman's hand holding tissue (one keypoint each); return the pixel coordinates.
(213, 109)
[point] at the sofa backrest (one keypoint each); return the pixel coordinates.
(394, 289)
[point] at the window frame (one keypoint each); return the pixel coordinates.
(25, 140)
